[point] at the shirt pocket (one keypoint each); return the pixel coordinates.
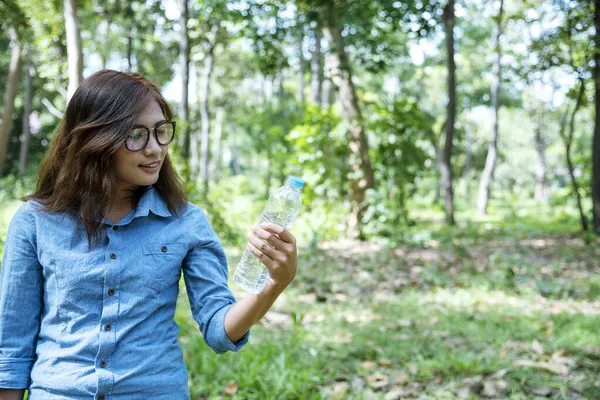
(162, 265)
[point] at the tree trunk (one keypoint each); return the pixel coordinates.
(105, 53)
(26, 113)
(205, 117)
(130, 50)
(439, 162)
(446, 167)
(468, 162)
(235, 158)
(194, 138)
(316, 69)
(74, 51)
(487, 178)
(279, 83)
(184, 62)
(541, 190)
(568, 139)
(12, 85)
(596, 140)
(269, 174)
(216, 166)
(327, 90)
(360, 163)
(301, 98)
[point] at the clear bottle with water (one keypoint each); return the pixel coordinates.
(282, 209)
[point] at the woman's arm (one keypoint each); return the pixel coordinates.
(12, 394)
(21, 301)
(279, 254)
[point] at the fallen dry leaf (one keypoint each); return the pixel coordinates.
(395, 394)
(537, 347)
(544, 391)
(378, 380)
(340, 389)
(368, 364)
(412, 368)
(556, 368)
(494, 389)
(231, 388)
(384, 362)
(499, 374)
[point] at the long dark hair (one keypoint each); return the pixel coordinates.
(77, 173)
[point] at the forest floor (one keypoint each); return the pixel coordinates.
(498, 310)
(478, 312)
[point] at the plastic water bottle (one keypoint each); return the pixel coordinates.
(282, 209)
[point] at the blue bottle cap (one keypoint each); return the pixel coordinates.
(296, 182)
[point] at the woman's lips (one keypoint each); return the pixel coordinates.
(150, 168)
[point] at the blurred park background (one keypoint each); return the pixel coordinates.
(451, 151)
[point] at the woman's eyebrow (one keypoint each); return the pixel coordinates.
(155, 125)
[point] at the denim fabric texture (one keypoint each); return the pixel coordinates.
(81, 323)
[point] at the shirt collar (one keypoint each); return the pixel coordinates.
(151, 201)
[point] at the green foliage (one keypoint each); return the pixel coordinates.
(320, 150)
(222, 208)
(401, 139)
(13, 188)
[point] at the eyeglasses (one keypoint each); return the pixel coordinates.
(138, 138)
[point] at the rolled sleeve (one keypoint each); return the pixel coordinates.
(206, 275)
(217, 336)
(14, 372)
(21, 294)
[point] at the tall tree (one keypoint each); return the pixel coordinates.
(316, 68)
(10, 92)
(446, 167)
(487, 178)
(212, 40)
(341, 72)
(300, 44)
(74, 51)
(216, 160)
(26, 114)
(539, 143)
(568, 141)
(596, 140)
(184, 63)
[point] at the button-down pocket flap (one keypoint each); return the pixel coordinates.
(166, 249)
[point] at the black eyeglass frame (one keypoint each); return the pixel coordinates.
(158, 125)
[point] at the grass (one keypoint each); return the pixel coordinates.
(360, 331)
(503, 307)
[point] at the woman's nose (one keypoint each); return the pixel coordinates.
(152, 147)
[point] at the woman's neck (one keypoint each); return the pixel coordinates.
(122, 200)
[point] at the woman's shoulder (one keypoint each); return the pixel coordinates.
(24, 218)
(28, 209)
(193, 211)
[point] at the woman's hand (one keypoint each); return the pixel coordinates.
(276, 248)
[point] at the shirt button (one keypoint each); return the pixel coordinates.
(107, 327)
(100, 397)
(115, 228)
(111, 292)
(102, 364)
(113, 255)
(163, 249)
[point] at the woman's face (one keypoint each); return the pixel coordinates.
(141, 168)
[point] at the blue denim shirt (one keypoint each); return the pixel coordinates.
(81, 323)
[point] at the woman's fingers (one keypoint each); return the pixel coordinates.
(268, 261)
(261, 245)
(282, 233)
(271, 238)
(276, 248)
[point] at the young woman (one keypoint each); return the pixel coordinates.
(92, 259)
